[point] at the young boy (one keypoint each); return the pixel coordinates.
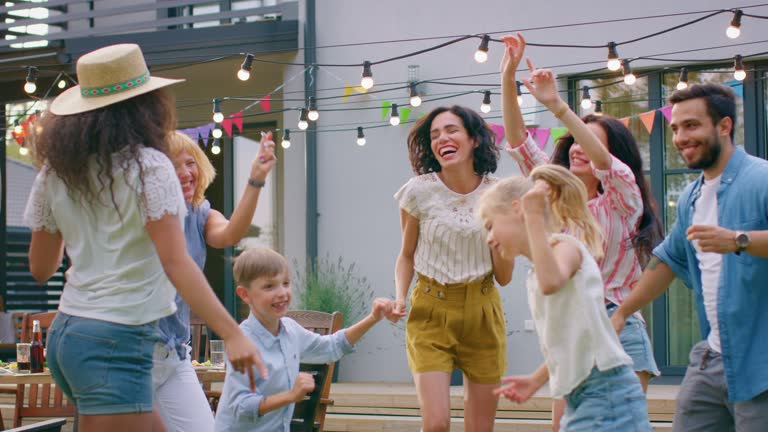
(264, 284)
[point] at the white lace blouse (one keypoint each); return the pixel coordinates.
(115, 273)
(452, 242)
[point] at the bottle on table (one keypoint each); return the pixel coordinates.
(37, 357)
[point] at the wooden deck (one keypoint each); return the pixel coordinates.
(367, 407)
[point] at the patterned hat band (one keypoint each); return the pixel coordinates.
(115, 88)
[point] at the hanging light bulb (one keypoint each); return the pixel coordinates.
(367, 81)
(586, 100)
(286, 139)
(312, 113)
(31, 85)
(245, 69)
(486, 105)
(481, 55)
(218, 116)
(682, 83)
(216, 132)
(394, 116)
(23, 151)
(613, 63)
(415, 99)
(629, 77)
(738, 68)
(215, 149)
(17, 127)
(520, 99)
(734, 30)
(62, 84)
(303, 119)
(598, 107)
(360, 136)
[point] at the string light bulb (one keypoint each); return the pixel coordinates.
(286, 139)
(218, 116)
(586, 100)
(486, 105)
(682, 83)
(215, 148)
(738, 68)
(481, 55)
(415, 99)
(629, 77)
(613, 63)
(23, 151)
(31, 85)
(367, 81)
(216, 132)
(394, 116)
(303, 119)
(734, 30)
(245, 69)
(520, 99)
(360, 136)
(17, 127)
(598, 107)
(62, 84)
(312, 113)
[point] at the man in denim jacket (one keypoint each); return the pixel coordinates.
(719, 248)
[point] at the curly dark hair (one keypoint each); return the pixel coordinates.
(622, 145)
(485, 156)
(66, 142)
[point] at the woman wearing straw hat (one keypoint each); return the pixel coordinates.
(109, 194)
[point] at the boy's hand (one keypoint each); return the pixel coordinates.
(381, 308)
(517, 388)
(305, 383)
(395, 310)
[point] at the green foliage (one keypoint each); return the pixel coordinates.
(330, 285)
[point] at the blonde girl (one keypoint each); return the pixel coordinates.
(584, 360)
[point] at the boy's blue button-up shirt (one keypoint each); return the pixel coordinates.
(238, 409)
(742, 298)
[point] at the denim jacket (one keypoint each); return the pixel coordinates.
(742, 299)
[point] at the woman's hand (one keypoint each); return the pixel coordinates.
(543, 87)
(518, 388)
(515, 47)
(243, 356)
(265, 159)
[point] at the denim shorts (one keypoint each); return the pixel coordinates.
(611, 400)
(103, 367)
(634, 338)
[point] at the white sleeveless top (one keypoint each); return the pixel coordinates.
(452, 242)
(116, 274)
(575, 333)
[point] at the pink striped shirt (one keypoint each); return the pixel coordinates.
(618, 210)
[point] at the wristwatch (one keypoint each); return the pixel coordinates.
(742, 241)
(256, 183)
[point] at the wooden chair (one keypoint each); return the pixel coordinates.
(316, 404)
(53, 425)
(200, 335)
(17, 318)
(42, 400)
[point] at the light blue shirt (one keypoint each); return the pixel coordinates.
(742, 298)
(238, 409)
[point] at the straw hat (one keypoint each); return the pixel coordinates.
(108, 75)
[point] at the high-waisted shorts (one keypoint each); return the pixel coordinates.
(457, 326)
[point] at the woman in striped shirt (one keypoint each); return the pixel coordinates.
(602, 152)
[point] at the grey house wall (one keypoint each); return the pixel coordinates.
(358, 218)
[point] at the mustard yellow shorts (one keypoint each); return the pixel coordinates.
(457, 326)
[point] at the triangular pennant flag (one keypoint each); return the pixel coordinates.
(498, 130)
(667, 111)
(347, 91)
(647, 119)
(542, 135)
(227, 126)
(404, 114)
(237, 119)
(625, 120)
(361, 89)
(556, 133)
(265, 102)
(385, 105)
(206, 129)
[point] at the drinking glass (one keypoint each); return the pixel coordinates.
(217, 353)
(23, 357)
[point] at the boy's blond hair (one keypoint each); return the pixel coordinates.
(178, 143)
(258, 262)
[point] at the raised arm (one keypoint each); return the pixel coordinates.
(543, 87)
(220, 232)
(514, 126)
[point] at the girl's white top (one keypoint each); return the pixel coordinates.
(575, 333)
(452, 242)
(115, 273)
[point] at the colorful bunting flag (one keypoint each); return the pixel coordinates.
(404, 114)
(347, 92)
(237, 119)
(227, 126)
(385, 106)
(625, 120)
(266, 102)
(499, 131)
(667, 111)
(556, 133)
(648, 118)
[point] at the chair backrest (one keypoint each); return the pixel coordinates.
(317, 402)
(53, 425)
(200, 335)
(40, 400)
